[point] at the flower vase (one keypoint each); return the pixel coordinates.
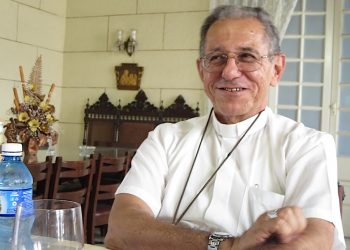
(30, 149)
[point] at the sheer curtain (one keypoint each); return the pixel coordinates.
(280, 10)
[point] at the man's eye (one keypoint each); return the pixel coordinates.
(247, 57)
(217, 58)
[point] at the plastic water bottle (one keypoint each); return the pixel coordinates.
(15, 186)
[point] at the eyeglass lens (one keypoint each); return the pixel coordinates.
(245, 61)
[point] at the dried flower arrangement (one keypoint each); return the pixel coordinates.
(34, 116)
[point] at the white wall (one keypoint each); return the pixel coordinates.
(168, 38)
(75, 39)
(29, 28)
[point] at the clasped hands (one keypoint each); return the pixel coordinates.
(272, 227)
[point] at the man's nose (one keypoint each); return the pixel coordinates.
(230, 70)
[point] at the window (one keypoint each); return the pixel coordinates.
(315, 88)
(303, 88)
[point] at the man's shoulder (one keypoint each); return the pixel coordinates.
(183, 126)
(171, 133)
(295, 130)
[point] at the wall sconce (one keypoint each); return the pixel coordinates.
(128, 45)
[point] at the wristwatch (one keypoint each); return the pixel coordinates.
(216, 238)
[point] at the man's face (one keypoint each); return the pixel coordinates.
(237, 94)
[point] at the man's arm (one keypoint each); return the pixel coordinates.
(289, 231)
(318, 235)
(132, 225)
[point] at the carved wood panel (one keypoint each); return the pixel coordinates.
(107, 125)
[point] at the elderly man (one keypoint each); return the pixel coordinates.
(240, 177)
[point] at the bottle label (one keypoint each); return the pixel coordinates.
(10, 198)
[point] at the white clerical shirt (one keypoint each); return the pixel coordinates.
(278, 163)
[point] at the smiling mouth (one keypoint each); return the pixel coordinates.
(233, 89)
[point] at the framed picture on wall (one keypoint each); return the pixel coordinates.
(128, 76)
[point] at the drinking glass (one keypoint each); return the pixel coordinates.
(48, 224)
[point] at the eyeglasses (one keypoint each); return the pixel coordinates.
(245, 61)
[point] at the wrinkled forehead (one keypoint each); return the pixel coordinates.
(236, 34)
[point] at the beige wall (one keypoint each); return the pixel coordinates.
(29, 28)
(75, 39)
(167, 35)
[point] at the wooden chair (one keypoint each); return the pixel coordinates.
(41, 173)
(127, 126)
(72, 180)
(109, 174)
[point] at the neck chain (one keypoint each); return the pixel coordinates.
(176, 221)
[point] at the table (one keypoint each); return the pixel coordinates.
(42, 242)
(93, 247)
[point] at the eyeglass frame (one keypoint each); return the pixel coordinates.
(234, 56)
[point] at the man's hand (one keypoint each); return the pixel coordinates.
(288, 224)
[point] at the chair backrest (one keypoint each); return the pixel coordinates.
(41, 173)
(110, 172)
(127, 126)
(132, 133)
(72, 180)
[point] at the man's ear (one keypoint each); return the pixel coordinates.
(279, 67)
(199, 68)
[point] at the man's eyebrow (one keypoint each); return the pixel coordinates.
(248, 49)
(217, 49)
(240, 49)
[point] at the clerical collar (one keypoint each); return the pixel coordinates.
(237, 129)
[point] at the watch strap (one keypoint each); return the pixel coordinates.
(215, 240)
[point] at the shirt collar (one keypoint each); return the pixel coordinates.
(237, 129)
